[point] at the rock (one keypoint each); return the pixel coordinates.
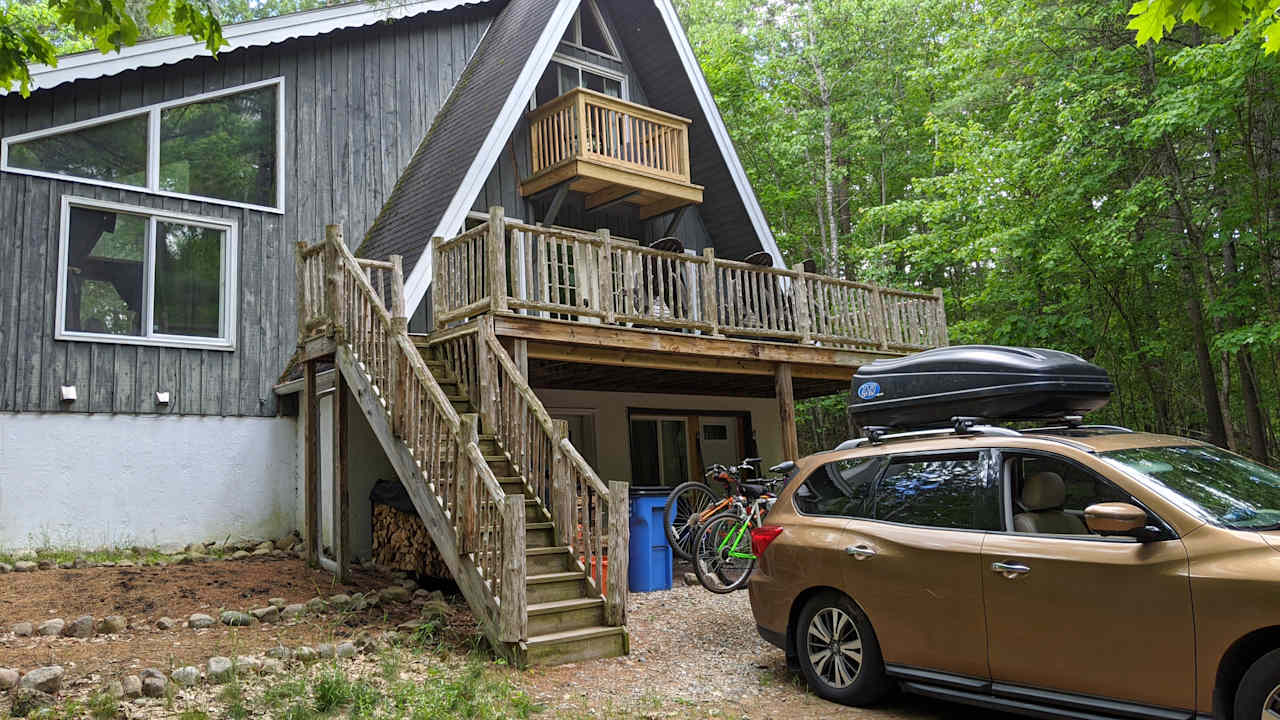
(25, 555)
(181, 559)
(326, 650)
(81, 627)
(435, 596)
(366, 642)
(316, 605)
(126, 564)
(268, 614)
(8, 678)
(5, 568)
(272, 667)
(168, 623)
(193, 548)
(64, 565)
(408, 584)
(154, 687)
(358, 603)
(80, 562)
(50, 627)
(106, 563)
(198, 557)
(111, 624)
(266, 545)
(26, 700)
(219, 669)
(186, 676)
(23, 629)
(261, 552)
(248, 663)
(292, 611)
(115, 689)
(46, 679)
(340, 601)
(239, 555)
(435, 611)
(199, 620)
(277, 602)
(373, 599)
(690, 579)
(395, 593)
(24, 566)
(346, 650)
(45, 565)
(410, 626)
(151, 672)
(279, 652)
(235, 618)
(304, 654)
(132, 685)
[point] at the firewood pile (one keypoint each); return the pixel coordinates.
(400, 541)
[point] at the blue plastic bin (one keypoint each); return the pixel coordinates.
(649, 566)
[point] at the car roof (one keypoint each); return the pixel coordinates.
(1086, 439)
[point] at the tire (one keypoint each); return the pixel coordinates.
(718, 572)
(680, 514)
(854, 676)
(1258, 694)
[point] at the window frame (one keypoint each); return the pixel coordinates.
(575, 28)
(991, 457)
(229, 272)
(582, 65)
(152, 112)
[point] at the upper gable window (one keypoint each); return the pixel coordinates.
(587, 31)
(224, 147)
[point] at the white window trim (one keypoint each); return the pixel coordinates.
(580, 64)
(575, 27)
(153, 147)
(229, 296)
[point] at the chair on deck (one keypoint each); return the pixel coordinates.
(662, 290)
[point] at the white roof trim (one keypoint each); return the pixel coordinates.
(163, 51)
(419, 280)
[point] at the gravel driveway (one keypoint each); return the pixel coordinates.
(697, 654)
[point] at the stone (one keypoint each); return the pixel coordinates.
(186, 676)
(132, 686)
(268, 614)
(326, 650)
(340, 601)
(261, 552)
(277, 602)
(111, 624)
(266, 545)
(292, 611)
(239, 555)
(199, 620)
(23, 629)
(248, 663)
(80, 562)
(410, 626)
(373, 599)
(154, 687)
(65, 565)
(358, 603)
(50, 627)
(25, 555)
(279, 652)
(304, 654)
(115, 689)
(346, 650)
(395, 593)
(435, 596)
(167, 623)
(181, 559)
(272, 667)
(235, 618)
(126, 564)
(366, 642)
(316, 605)
(219, 669)
(152, 673)
(8, 678)
(24, 566)
(26, 700)
(46, 679)
(45, 564)
(435, 611)
(198, 557)
(408, 584)
(5, 568)
(690, 578)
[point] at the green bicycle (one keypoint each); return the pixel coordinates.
(722, 554)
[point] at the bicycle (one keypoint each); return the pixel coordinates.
(723, 556)
(693, 503)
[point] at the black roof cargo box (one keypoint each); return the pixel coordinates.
(928, 389)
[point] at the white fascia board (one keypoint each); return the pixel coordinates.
(718, 129)
(419, 280)
(164, 51)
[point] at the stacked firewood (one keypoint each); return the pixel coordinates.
(400, 541)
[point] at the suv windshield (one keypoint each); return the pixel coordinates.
(1221, 487)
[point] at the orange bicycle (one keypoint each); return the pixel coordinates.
(691, 504)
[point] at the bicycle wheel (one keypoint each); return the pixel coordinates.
(719, 560)
(680, 515)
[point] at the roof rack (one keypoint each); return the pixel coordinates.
(961, 425)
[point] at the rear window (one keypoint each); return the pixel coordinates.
(842, 488)
(945, 491)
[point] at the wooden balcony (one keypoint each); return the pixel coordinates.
(612, 151)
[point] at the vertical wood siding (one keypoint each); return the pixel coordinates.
(357, 104)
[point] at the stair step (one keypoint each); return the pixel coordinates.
(558, 606)
(549, 587)
(561, 615)
(575, 645)
(543, 560)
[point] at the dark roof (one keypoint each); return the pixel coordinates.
(436, 171)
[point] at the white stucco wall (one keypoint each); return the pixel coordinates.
(94, 481)
(613, 434)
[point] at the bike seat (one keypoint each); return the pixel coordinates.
(752, 490)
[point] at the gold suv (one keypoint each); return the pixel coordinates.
(1080, 572)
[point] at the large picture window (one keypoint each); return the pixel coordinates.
(224, 146)
(133, 275)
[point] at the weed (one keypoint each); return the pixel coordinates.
(281, 694)
(232, 696)
(332, 691)
(390, 665)
(102, 705)
(193, 715)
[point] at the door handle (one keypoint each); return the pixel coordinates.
(861, 552)
(1009, 570)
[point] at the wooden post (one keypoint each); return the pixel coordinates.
(619, 543)
(437, 289)
(310, 464)
(710, 304)
(878, 319)
(940, 317)
(396, 365)
(512, 611)
(333, 281)
(340, 498)
(520, 353)
(606, 276)
(496, 251)
(563, 497)
(467, 497)
(800, 298)
(787, 412)
(300, 278)
(486, 377)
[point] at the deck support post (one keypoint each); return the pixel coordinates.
(710, 304)
(513, 607)
(563, 497)
(310, 464)
(800, 300)
(618, 554)
(340, 499)
(787, 411)
(496, 253)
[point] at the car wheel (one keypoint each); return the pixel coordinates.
(838, 652)
(1258, 695)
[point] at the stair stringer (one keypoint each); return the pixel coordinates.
(465, 574)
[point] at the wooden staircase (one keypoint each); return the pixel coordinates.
(526, 527)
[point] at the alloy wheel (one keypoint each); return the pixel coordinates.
(835, 647)
(1271, 708)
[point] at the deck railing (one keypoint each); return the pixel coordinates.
(584, 124)
(596, 278)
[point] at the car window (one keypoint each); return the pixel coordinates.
(1049, 494)
(841, 488)
(945, 491)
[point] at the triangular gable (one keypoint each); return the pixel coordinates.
(449, 170)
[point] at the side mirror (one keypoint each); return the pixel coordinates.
(1115, 518)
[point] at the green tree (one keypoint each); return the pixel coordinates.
(1153, 19)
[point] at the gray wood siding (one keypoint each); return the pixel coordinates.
(357, 104)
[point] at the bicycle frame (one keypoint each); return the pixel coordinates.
(728, 546)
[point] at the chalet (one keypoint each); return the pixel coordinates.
(502, 251)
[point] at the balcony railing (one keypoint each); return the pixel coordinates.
(595, 278)
(586, 125)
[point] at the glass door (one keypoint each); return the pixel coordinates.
(659, 450)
